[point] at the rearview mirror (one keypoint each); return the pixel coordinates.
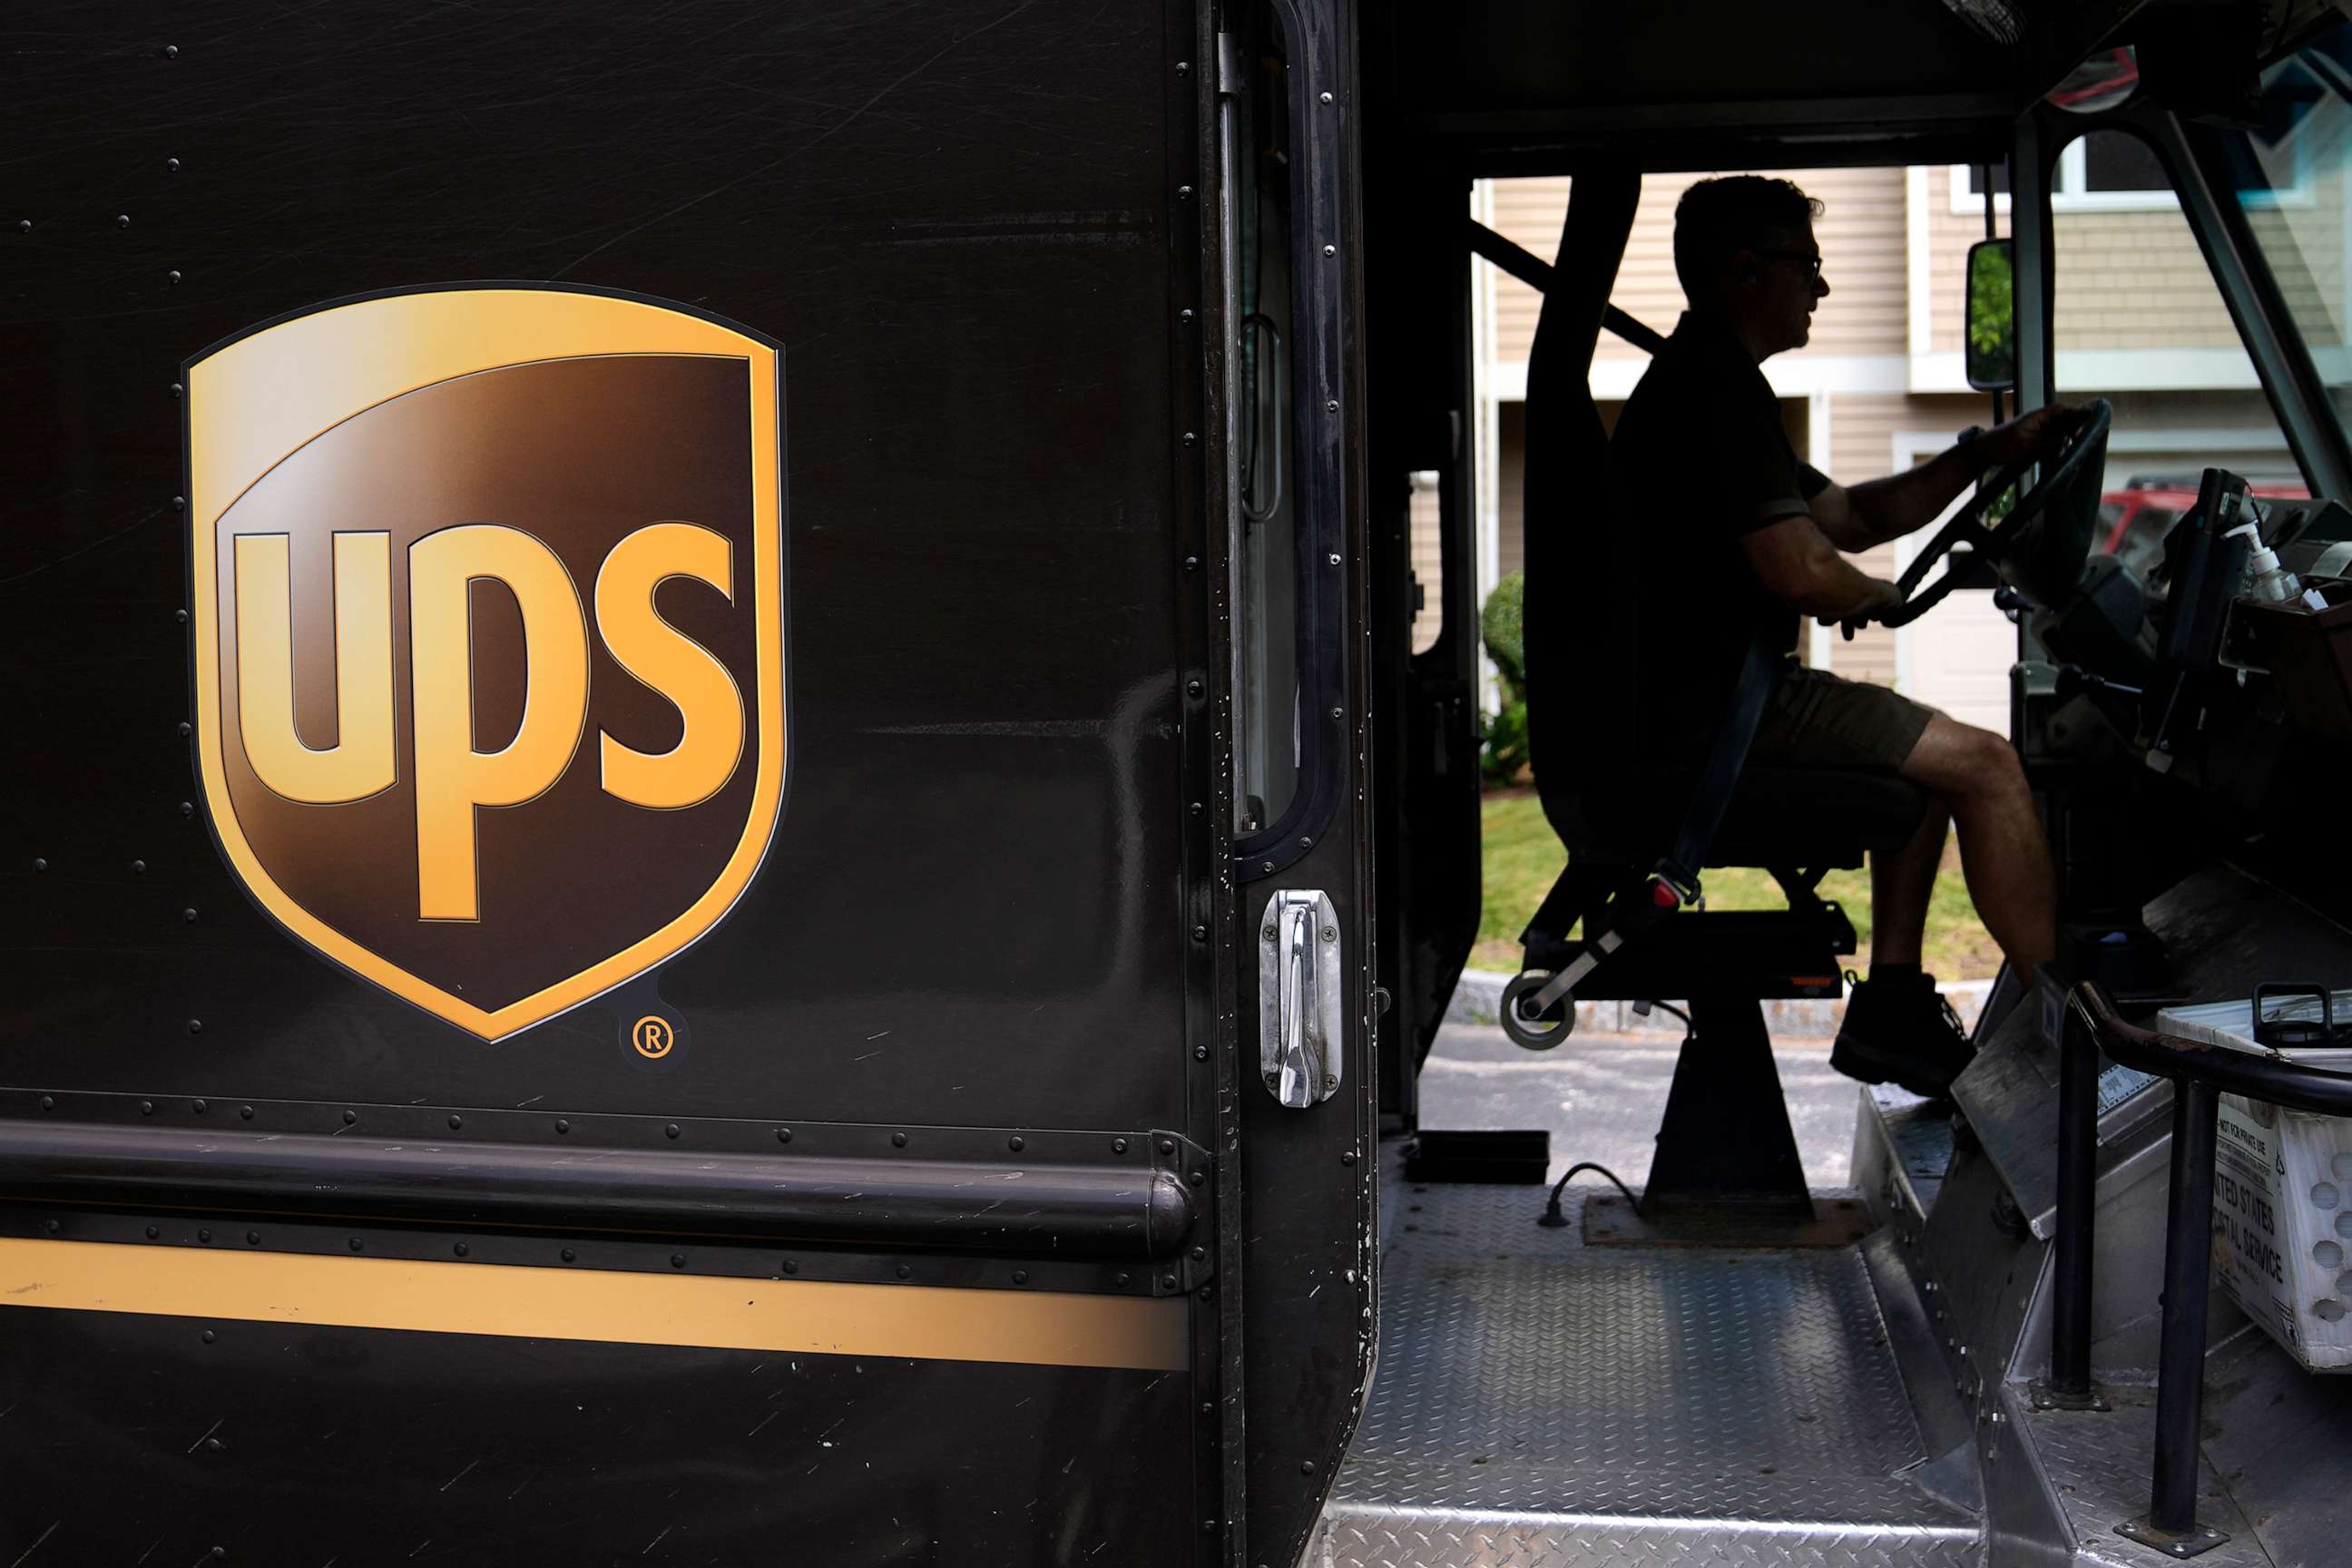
(1991, 316)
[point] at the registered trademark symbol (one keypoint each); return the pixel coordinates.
(653, 1036)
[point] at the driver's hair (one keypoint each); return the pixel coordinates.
(1736, 212)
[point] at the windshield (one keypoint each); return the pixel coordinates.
(2291, 175)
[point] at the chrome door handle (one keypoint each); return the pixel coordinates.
(1300, 1037)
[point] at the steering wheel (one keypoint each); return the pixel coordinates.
(2041, 547)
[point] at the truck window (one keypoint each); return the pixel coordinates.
(2141, 322)
(2291, 175)
(1267, 697)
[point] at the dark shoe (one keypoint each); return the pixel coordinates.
(1900, 1028)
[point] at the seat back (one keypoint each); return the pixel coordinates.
(1578, 618)
(1610, 805)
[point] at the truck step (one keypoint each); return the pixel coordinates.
(1540, 1401)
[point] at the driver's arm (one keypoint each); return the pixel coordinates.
(1884, 508)
(1880, 509)
(1799, 565)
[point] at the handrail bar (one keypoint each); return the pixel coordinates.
(2270, 1078)
(1090, 1211)
(2201, 1074)
(1535, 273)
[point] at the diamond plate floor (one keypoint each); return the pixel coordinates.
(2099, 1461)
(1543, 1406)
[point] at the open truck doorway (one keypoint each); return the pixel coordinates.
(752, 782)
(1610, 1358)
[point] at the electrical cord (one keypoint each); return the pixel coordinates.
(1552, 1218)
(1669, 1008)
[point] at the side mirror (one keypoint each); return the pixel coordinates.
(1993, 315)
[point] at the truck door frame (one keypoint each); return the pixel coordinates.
(1297, 1185)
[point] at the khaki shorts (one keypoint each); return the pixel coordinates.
(1814, 720)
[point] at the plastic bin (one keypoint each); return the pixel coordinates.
(2282, 1192)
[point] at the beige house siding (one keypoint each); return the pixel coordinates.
(1511, 490)
(2135, 280)
(1860, 231)
(1425, 545)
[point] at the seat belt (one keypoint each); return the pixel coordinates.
(1759, 671)
(1673, 880)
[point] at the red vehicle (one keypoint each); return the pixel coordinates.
(2134, 519)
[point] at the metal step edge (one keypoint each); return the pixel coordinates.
(1353, 1536)
(1915, 1144)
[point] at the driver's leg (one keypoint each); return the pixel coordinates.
(1896, 1025)
(1901, 881)
(2002, 848)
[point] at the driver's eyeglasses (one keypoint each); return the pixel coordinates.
(1811, 258)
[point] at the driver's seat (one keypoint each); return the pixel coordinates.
(1623, 815)
(1603, 801)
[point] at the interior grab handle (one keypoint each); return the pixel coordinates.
(1257, 508)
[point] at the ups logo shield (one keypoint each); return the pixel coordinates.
(488, 592)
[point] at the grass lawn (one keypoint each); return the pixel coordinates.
(1522, 858)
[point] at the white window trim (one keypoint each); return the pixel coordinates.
(1818, 651)
(2109, 370)
(1919, 256)
(1486, 433)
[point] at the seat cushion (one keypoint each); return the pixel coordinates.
(1778, 816)
(1814, 816)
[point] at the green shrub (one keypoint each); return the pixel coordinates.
(1502, 743)
(1503, 626)
(1503, 737)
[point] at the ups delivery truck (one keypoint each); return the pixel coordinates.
(723, 843)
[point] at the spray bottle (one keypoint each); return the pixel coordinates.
(2268, 582)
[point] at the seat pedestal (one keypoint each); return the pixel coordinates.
(1726, 1150)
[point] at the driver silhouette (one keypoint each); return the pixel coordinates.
(1749, 540)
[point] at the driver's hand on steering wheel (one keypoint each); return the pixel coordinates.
(2033, 435)
(1885, 596)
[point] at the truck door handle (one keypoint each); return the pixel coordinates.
(1299, 1033)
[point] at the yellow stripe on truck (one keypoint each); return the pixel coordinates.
(1035, 1328)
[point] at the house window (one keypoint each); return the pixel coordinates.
(2106, 170)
